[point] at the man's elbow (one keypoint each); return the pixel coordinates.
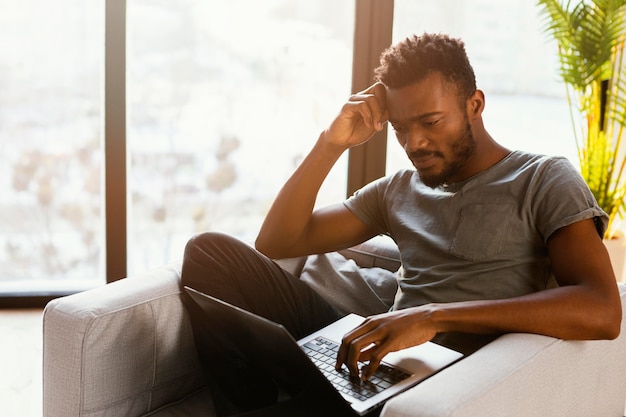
(266, 249)
(270, 249)
(610, 322)
(611, 331)
(614, 329)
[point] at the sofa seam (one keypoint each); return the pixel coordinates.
(154, 357)
(145, 301)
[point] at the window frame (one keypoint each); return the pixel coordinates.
(372, 35)
(116, 158)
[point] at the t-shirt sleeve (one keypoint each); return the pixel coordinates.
(367, 204)
(562, 198)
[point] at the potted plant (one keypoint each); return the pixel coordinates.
(590, 36)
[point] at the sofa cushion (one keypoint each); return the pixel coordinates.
(348, 287)
(380, 252)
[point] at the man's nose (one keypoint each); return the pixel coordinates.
(415, 140)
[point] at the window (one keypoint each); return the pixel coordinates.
(224, 99)
(515, 65)
(51, 227)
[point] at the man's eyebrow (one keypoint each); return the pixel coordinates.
(418, 117)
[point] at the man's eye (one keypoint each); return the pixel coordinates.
(432, 122)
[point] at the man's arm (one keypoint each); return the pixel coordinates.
(291, 227)
(586, 305)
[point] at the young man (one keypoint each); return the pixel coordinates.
(491, 240)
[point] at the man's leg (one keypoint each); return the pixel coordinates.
(228, 269)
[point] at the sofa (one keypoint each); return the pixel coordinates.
(126, 349)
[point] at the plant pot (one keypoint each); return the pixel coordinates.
(617, 252)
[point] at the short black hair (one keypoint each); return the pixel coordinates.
(416, 57)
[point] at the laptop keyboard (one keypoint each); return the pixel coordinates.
(323, 353)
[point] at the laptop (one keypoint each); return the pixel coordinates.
(307, 366)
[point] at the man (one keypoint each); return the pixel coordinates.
(485, 234)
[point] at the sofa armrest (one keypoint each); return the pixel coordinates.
(525, 375)
(125, 348)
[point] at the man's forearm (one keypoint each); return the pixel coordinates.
(570, 312)
(290, 213)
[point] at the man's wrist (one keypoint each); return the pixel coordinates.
(327, 145)
(439, 317)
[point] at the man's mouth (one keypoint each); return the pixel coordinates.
(424, 160)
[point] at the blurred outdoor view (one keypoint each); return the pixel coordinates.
(224, 98)
(51, 67)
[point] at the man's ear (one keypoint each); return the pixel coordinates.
(476, 104)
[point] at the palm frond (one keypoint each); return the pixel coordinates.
(590, 35)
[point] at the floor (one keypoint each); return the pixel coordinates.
(20, 366)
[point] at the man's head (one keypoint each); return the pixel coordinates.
(433, 105)
(416, 57)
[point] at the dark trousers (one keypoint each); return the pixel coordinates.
(221, 266)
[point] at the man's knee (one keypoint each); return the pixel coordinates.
(212, 245)
(206, 254)
(208, 240)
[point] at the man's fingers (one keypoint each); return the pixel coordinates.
(348, 344)
(356, 105)
(375, 355)
(371, 356)
(377, 88)
(359, 345)
(373, 107)
(379, 91)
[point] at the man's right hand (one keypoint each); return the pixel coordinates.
(364, 114)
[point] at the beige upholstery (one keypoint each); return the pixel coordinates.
(126, 349)
(120, 350)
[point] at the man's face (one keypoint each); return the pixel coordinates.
(433, 128)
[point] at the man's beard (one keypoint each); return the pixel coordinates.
(463, 149)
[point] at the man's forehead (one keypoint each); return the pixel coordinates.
(420, 99)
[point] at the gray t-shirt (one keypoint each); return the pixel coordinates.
(484, 238)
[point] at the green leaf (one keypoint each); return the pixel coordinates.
(590, 37)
